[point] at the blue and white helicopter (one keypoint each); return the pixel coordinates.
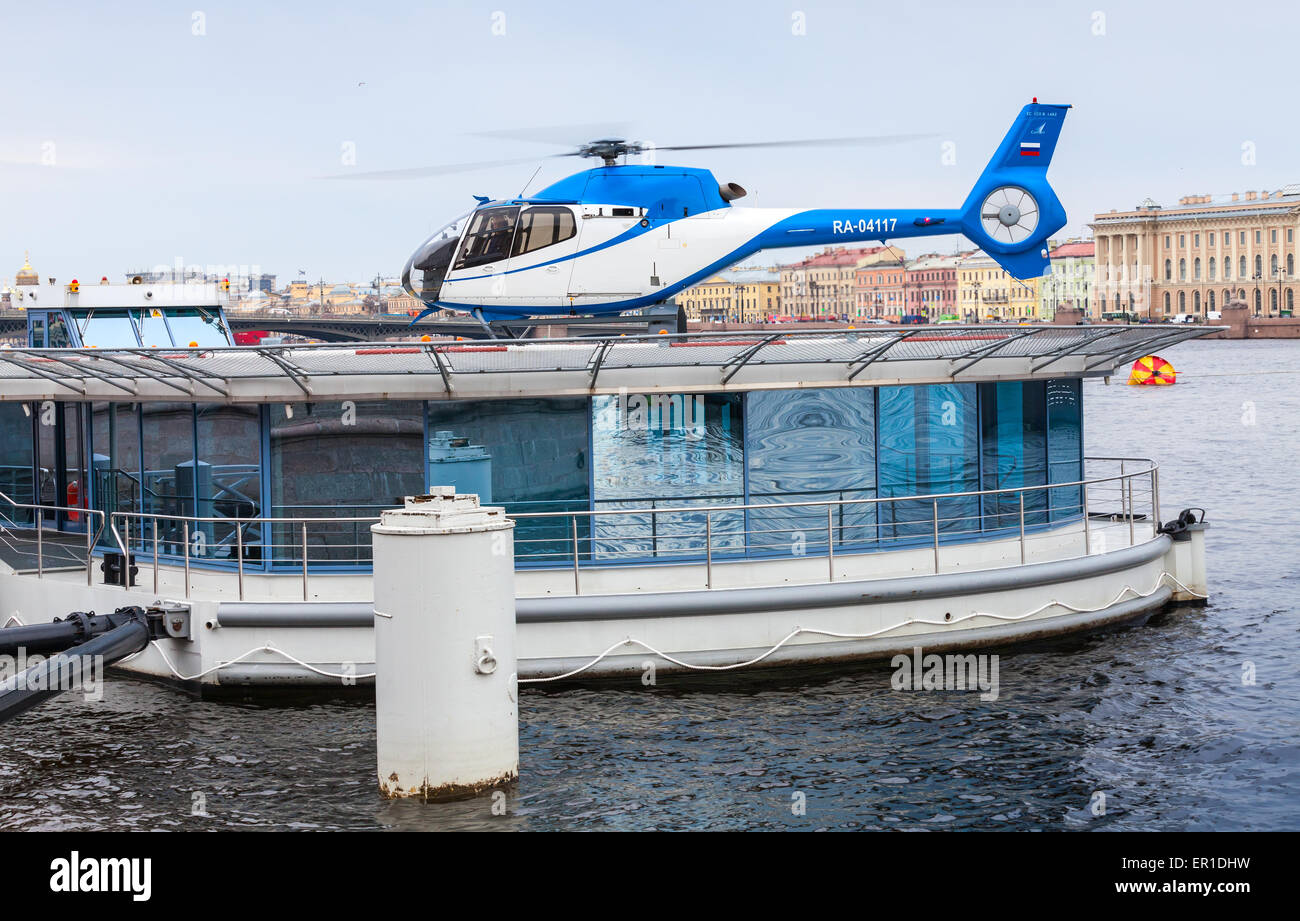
(620, 237)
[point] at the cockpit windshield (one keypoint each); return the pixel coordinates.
(425, 270)
(489, 237)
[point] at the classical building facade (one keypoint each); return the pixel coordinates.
(747, 294)
(1193, 258)
(985, 292)
(1069, 284)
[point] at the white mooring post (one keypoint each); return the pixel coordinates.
(446, 715)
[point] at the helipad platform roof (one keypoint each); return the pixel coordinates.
(486, 369)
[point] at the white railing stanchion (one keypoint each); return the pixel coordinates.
(1155, 501)
(126, 557)
(1087, 527)
(577, 585)
(155, 555)
(90, 548)
(185, 525)
(40, 543)
(1127, 485)
(936, 536)
(708, 550)
(304, 561)
(239, 553)
(830, 542)
(1022, 527)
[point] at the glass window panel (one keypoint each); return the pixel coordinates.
(1014, 451)
(57, 335)
(17, 453)
(1065, 446)
(115, 442)
(74, 488)
(167, 433)
(230, 479)
(153, 328)
(349, 459)
(108, 329)
(810, 446)
(528, 455)
(928, 439)
(660, 451)
(194, 327)
(47, 469)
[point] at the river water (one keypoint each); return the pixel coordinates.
(1156, 717)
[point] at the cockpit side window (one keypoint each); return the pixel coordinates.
(541, 227)
(489, 237)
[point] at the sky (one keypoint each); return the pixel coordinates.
(151, 132)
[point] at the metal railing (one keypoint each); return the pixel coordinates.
(925, 521)
(1125, 498)
(192, 546)
(14, 534)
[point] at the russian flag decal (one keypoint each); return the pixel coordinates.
(1029, 148)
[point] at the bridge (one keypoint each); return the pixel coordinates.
(363, 328)
(358, 328)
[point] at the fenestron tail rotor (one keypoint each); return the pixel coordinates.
(1009, 214)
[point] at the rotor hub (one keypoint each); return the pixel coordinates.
(1009, 215)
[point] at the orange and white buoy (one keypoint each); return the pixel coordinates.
(1152, 371)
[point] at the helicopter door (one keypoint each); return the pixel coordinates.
(478, 274)
(546, 237)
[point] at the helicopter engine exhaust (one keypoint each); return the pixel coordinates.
(730, 191)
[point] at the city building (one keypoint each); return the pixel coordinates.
(931, 286)
(823, 286)
(985, 292)
(748, 294)
(879, 288)
(1191, 259)
(1070, 282)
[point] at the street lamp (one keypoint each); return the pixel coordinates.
(1256, 278)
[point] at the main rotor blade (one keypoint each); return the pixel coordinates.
(422, 172)
(564, 135)
(878, 140)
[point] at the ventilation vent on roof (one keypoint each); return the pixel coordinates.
(1292, 189)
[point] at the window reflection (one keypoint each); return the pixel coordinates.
(528, 455)
(928, 444)
(115, 442)
(1065, 447)
(169, 477)
(16, 461)
(660, 451)
(349, 459)
(809, 446)
(229, 479)
(1014, 451)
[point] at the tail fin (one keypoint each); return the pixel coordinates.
(1012, 209)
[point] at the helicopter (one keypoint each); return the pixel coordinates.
(620, 237)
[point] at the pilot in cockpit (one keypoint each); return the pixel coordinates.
(498, 240)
